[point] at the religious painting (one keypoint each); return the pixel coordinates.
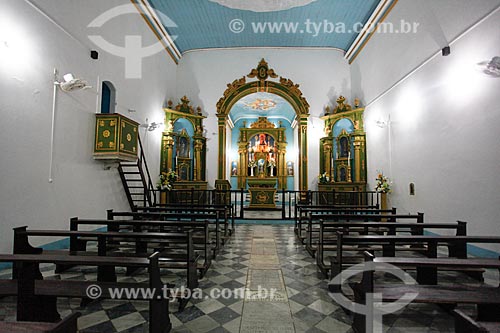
(289, 168)
(343, 174)
(183, 144)
(234, 168)
(183, 168)
(344, 147)
(261, 142)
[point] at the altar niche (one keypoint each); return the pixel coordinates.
(262, 151)
(184, 145)
(343, 149)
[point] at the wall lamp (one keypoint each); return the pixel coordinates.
(151, 126)
(493, 67)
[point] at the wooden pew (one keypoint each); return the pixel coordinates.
(226, 211)
(186, 261)
(302, 210)
(465, 324)
(314, 216)
(183, 215)
(487, 299)
(37, 298)
(325, 243)
(67, 325)
(199, 233)
(457, 246)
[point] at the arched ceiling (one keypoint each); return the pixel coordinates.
(262, 104)
(201, 24)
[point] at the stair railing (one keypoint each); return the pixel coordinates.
(149, 188)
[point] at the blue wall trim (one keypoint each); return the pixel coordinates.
(475, 250)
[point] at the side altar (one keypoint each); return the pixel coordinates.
(343, 149)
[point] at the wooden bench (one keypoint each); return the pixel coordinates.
(314, 216)
(213, 217)
(327, 240)
(226, 211)
(67, 325)
(301, 209)
(487, 299)
(304, 220)
(465, 324)
(187, 260)
(199, 230)
(457, 247)
(37, 298)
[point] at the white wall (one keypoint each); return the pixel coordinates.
(81, 186)
(444, 118)
(323, 75)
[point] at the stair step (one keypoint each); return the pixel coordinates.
(128, 164)
(135, 186)
(131, 173)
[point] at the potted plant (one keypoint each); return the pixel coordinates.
(323, 178)
(166, 180)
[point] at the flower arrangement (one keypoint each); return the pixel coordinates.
(252, 164)
(271, 163)
(166, 180)
(383, 183)
(323, 178)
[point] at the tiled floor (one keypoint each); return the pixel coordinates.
(255, 255)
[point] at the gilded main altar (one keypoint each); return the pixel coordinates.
(262, 151)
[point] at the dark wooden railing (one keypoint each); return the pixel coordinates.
(287, 200)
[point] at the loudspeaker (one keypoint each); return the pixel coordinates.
(446, 51)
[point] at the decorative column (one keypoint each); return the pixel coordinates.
(167, 151)
(243, 162)
(359, 154)
(303, 153)
(327, 157)
(198, 147)
(221, 175)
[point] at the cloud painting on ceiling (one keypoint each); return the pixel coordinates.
(262, 104)
(261, 6)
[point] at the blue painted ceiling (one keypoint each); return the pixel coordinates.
(262, 104)
(199, 24)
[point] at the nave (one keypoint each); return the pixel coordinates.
(269, 255)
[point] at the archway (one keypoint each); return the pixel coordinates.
(286, 89)
(108, 96)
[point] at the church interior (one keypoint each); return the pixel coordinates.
(249, 166)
